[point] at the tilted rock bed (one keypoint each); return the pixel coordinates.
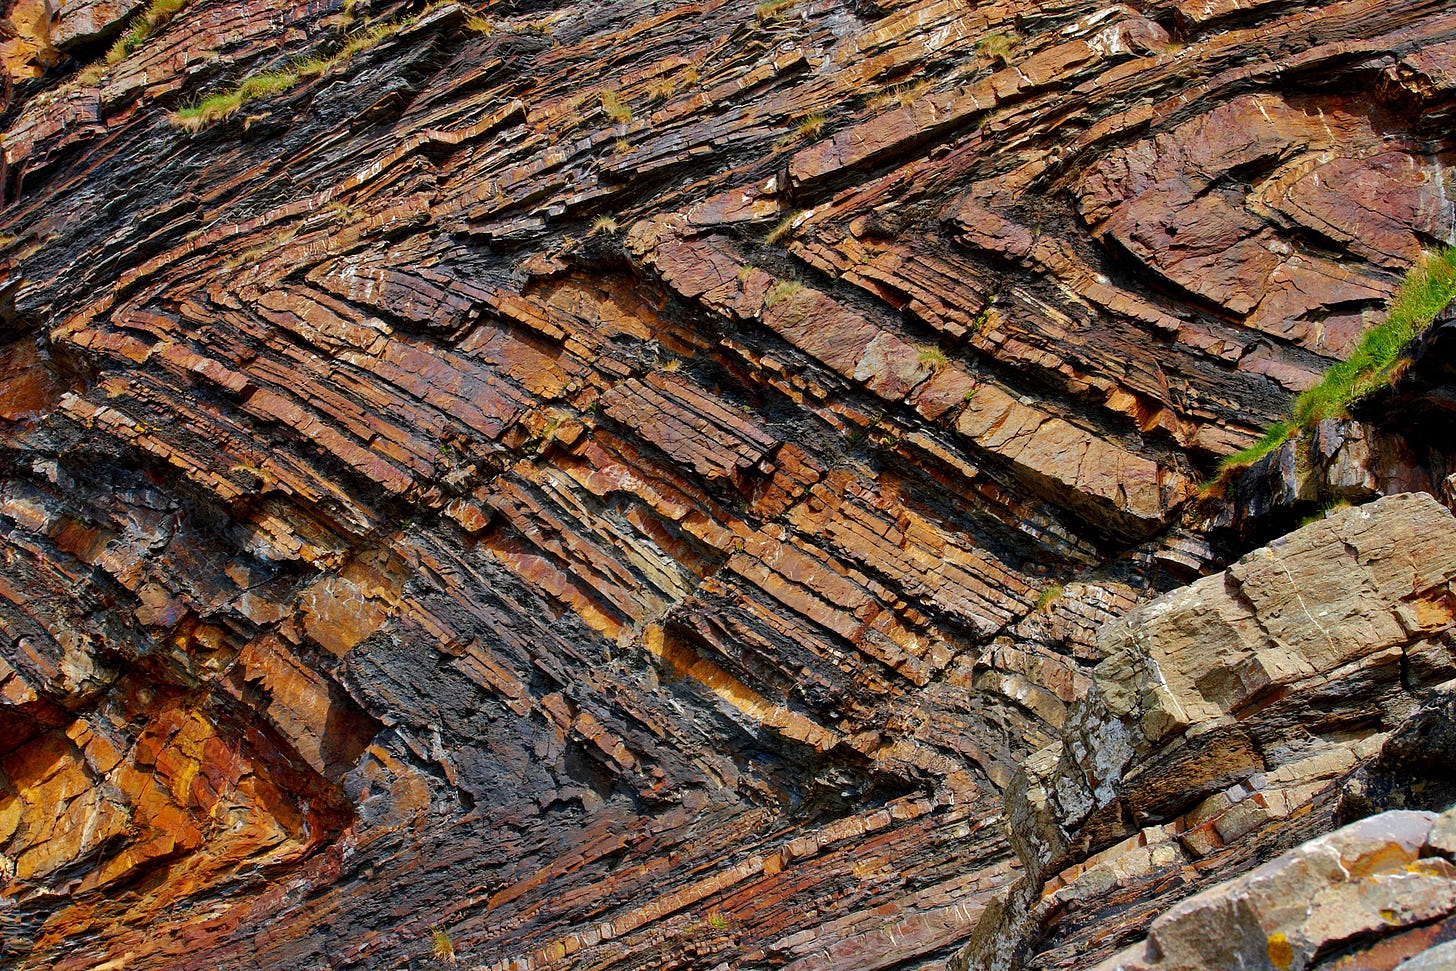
(640, 484)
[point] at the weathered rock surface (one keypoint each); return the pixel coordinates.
(1415, 768)
(1367, 879)
(1223, 721)
(629, 485)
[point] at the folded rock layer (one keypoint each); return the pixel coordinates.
(634, 484)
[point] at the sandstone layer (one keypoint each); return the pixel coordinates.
(1387, 875)
(638, 484)
(1228, 718)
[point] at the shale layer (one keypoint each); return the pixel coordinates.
(638, 484)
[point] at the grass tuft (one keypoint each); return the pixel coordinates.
(614, 108)
(142, 26)
(998, 47)
(542, 27)
(781, 291)
(660, 89)
(930, 356)
(216, 107)
(770, 9)
(1047, 597)
(785, 226)
(903, 95)
(811, 125)
(441, 946)
(1427, 289)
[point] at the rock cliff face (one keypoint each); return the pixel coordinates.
(640, 484)
(1224, 720)
(1387, 875)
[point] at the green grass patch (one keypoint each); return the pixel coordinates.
(1275, 436)
(137, 30)
(216, 107)
(1427, 289)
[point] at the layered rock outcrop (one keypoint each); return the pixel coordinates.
(1225, 721)
(1389, 876)
(631, 485)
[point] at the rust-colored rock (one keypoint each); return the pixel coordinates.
(635, 485)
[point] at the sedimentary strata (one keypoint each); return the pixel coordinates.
(636, 484)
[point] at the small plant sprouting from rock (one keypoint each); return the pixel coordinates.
(781, 291)
(783, 229)
(1428, 288)
(542, 27)
(442, 947)
(1049, 596)
(811, 125)
(716, 920)
(142, 26)
(930, 356)
(983, 319)
(660, 89)
(770, 9)
(253, 254)
(479, 24)
(342, 211)
(998, 46)
(603, 225)
(614, 108)
(902, 95)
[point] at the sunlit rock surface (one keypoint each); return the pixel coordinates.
(636, 484)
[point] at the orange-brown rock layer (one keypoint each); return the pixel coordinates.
(629, 485)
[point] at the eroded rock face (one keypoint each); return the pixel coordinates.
(651, 535)
(1221, 723)
(1381, 877)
